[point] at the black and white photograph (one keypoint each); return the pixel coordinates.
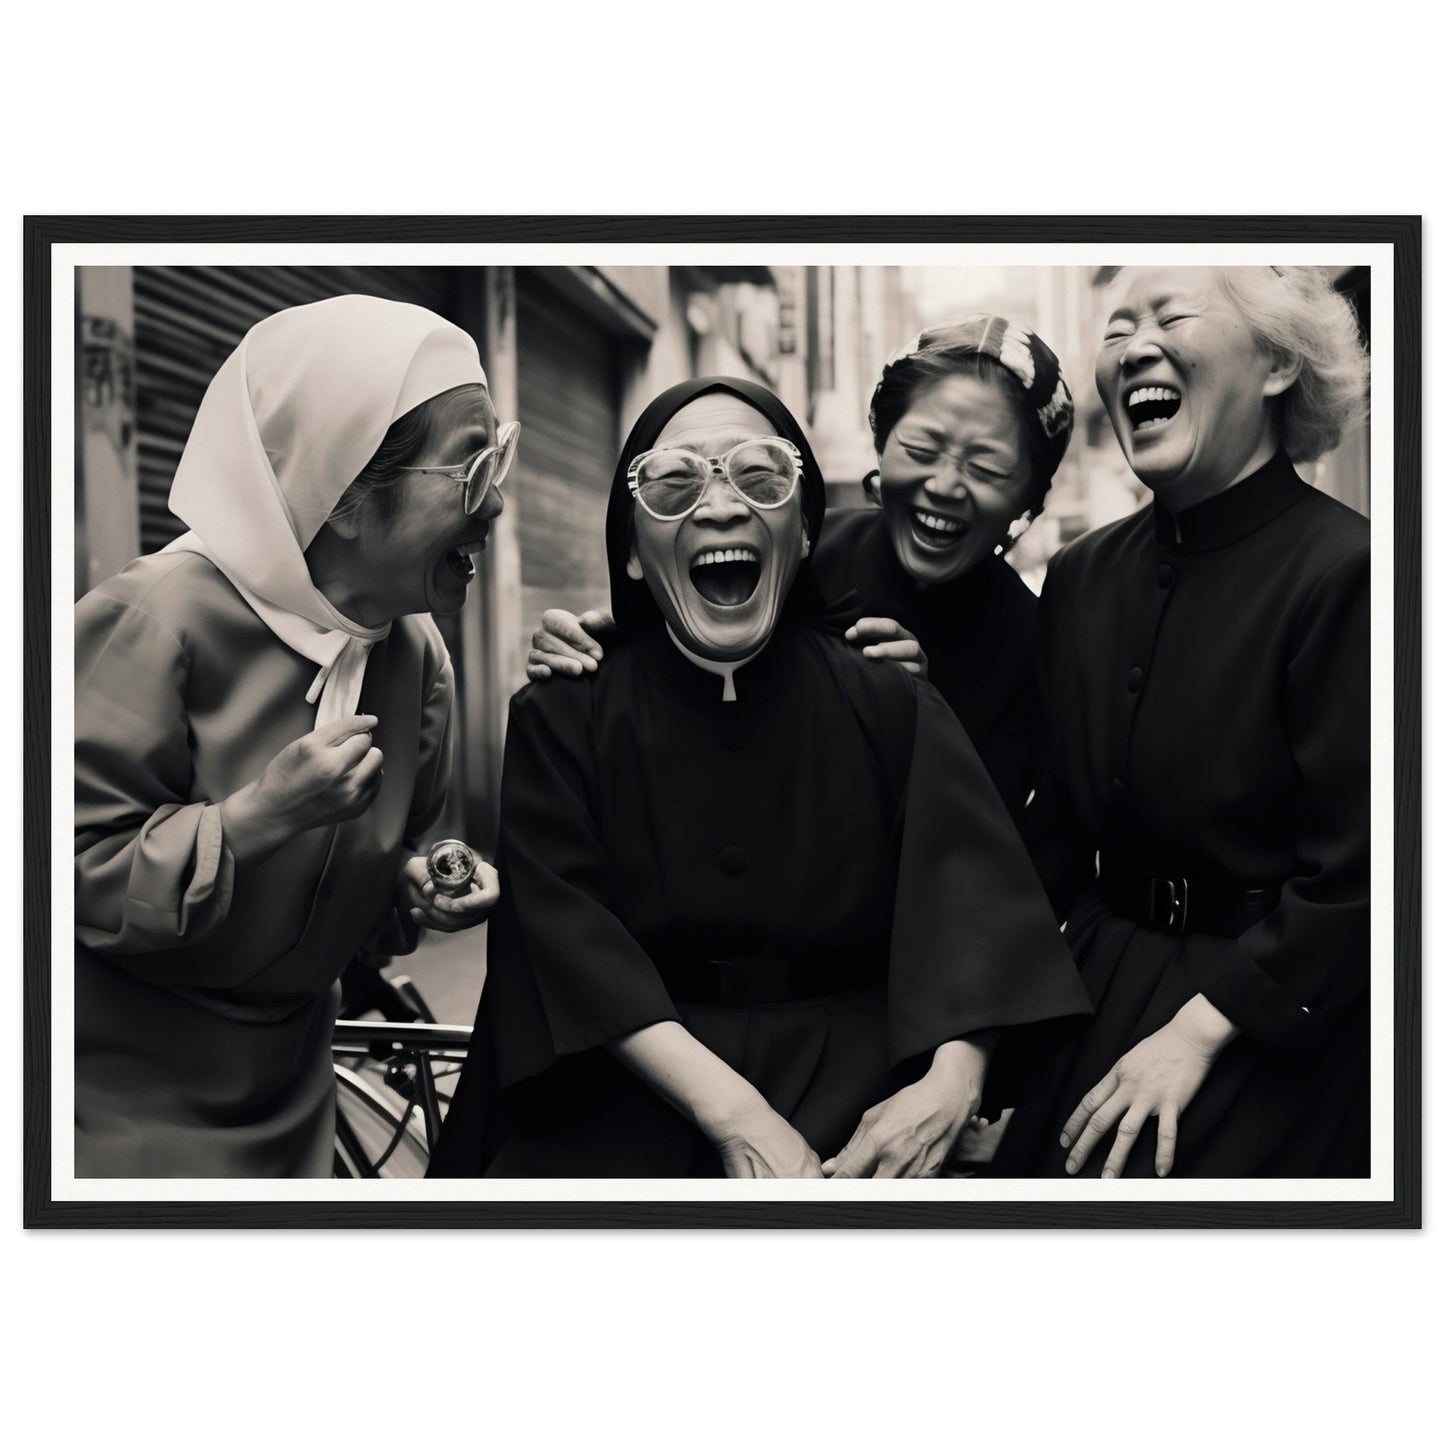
(566, 730)
(677, 670)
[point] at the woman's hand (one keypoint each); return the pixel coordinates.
(418, 895)
(758, 1143)
(754, 1140)
(978, 1141)
(909, 1135)
(1159, 1075)
(887, 640)
(564, 643)
(325, 776)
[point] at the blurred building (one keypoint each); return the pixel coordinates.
(857, 316)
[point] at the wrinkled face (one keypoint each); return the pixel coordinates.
(954, 473)
(1184, 384)
(420, 560)
(720, 575)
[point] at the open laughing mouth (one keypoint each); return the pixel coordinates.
(726, 576)
(933, 530)
(1150, 408)
(459, 559)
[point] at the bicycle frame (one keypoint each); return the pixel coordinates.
(423, 1045)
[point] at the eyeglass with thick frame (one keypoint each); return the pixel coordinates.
(722, 465)
(485, 470)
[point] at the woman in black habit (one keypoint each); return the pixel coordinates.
(1207, 700)
(970, 421)
(763, 910)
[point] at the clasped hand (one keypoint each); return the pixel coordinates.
(910, 1134)
(419, 896)
(885, 640)
(761, 1144)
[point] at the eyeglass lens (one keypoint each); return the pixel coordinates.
(491, 467)
(670, 483)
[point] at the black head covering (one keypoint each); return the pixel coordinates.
(632, 603)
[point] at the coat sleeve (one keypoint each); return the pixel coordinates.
(398, 933)
(975, 945)
(1062, 850)
(1290, 978)
(434, 756)
(152, 869)
(563, 972)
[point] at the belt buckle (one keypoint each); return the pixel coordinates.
(1173, 894)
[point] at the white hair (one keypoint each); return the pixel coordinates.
(1294, 312)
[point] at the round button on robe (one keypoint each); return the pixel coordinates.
(1166, 574)
(1136, 679)
(732, 859)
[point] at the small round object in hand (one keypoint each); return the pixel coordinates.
(451, 866)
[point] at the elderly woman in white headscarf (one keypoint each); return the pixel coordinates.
(263, 738)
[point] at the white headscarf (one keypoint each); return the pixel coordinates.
(287, 423)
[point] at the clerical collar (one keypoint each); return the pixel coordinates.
(723, 670)
(1233, 513)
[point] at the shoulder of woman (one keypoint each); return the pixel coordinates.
(1095, 552)
(420, 631)
(893, 687)
(566, 704)
(1003, 589)
(1336, 530)
(847, 528)
(179, 593)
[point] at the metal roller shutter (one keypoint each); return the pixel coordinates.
(568, 399)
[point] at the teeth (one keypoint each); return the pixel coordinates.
(936, 523)
(1152, 393)
(729, 554)
(470, 549)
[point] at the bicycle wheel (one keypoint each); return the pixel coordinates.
(376, 1136)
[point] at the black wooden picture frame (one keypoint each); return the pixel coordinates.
(1401, 233)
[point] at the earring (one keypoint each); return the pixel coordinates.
(1016, 529)
(807, 544)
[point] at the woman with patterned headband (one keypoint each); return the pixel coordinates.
(970, 422)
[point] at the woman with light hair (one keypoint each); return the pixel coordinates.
(1206, 694)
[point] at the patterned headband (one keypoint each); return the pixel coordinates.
(1020, 352)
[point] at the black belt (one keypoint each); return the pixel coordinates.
(757, 982)
(1175, 904)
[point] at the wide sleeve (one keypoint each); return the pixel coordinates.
(434, 756)
(398, 932)
(563, 972)
(1288, 980)
(975, 945)
(152, 869)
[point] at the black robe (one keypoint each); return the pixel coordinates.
(978, 631)
(1208, 696)
(835, 810)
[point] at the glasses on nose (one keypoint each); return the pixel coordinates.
(670, 481)
(485, 470)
